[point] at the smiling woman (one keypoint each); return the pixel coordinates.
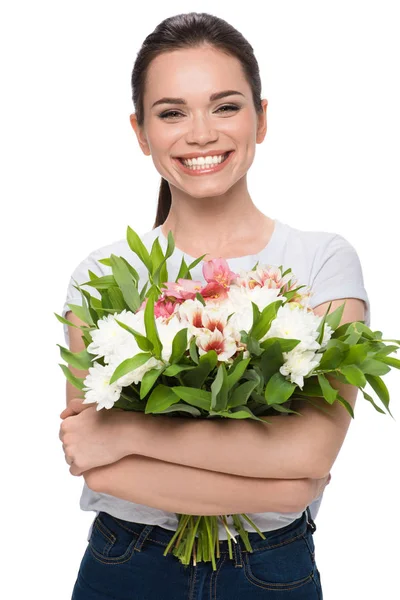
(199, 115)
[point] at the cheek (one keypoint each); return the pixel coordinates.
(162, 137)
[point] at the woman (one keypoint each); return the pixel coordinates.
(196, 92)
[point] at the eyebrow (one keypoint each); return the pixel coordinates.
(215, 96)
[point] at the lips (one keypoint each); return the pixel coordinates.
(206, 169)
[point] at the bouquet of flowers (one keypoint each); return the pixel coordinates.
(241, 346)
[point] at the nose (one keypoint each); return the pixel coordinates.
(200, 131)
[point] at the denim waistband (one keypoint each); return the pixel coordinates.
(162, 536)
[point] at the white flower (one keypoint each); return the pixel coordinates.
(240, 303)
(224, 345)
(168, 330)
(137, 374)
(294, 322)
(299, 365)
(98, 388)
(109, 339)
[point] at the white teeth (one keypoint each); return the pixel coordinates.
(203, 162)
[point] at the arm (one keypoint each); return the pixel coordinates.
(291, 447)
(187, 490)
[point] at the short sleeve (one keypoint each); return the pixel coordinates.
(81, 274)
(338, 274)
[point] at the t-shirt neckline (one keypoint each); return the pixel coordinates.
(272, 241)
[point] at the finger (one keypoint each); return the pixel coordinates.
(67, 412)
(74, 470)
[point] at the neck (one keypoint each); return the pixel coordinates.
(215, 224)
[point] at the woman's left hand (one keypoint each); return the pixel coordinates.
(92, 438)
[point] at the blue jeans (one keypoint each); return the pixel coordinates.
(124, 561)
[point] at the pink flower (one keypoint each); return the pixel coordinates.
(165, 307)
(224, 346)
(217, 269)
(214, 292)
(183, 289)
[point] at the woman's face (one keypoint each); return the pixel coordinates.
(173, 129)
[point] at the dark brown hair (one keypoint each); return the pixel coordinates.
(190, 30)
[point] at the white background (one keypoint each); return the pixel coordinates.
(73, 178)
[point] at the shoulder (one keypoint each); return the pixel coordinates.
(320, 247)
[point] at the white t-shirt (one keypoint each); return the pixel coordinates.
(325, 261)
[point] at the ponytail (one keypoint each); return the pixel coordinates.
(164, 203)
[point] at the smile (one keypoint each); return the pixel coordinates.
(204, 165)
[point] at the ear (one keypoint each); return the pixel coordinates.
(140, 135)
(262, 122)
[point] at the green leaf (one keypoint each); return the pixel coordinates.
(331, 358)
(278, 389)
(237, 371)
(333, 319)
(241, 412)
(329, 393)
(173, 370)
(132, 270)
(283, 409)
(160, 273)
(374, 367)
(96, 304)
(271, 360)
(380, 389)
(137, 246)
(347, 406)
(193, 396)
(125, 282)
(65, 321)
(183, 272)
(101, 283)
(197, 375)
(311, 387)
(256, 315)
(179, 345)
(80, 312)
(75, 381)
(193, 350)
(321, 326)
(286, 344)
(148, 380)
(151, 327)
(180, 407)
(88, 318)
(353, 374)
(384, 350)
(141, 340)
(356, 354)
(117, 300)
(241, 393)
(264, 320)
(388, 360)
(130, 364)
(196, 261)
(370, 399)
(253, 345)
(354, 334)
(219, 389)
(200, 298)
(80, 360)
(160, 399)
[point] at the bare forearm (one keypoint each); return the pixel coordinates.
(279, 450)
(187, 490)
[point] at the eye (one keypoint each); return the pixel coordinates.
(229, 107)
(170, 113)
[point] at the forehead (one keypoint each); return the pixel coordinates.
(193, 72)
